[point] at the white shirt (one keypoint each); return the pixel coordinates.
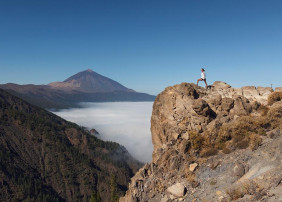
(203, 75)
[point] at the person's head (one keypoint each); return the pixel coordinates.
(203, 69)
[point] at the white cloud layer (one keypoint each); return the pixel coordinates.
(127, 123)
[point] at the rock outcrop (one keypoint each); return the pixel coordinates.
(219, 144)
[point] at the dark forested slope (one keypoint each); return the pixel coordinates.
(45, 158)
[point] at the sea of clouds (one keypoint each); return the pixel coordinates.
(127, 123)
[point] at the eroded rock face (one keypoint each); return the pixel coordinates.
(186, 107)
(208, 141)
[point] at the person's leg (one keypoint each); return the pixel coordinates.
(199, 80)
(206, 83)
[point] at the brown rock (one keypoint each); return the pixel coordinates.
(193, 166)
(278, 89)
(201, 107)
(177, 190)
(239, 170)
(221, 85)
(185, 136)
(175, 136)
(227, 104)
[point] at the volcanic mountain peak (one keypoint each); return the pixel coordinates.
(85, 86)
(90, 82)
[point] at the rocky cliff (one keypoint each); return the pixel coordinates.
(219, 144)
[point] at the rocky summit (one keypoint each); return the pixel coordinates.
(216, 144)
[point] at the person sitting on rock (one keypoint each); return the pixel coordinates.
(203, 77)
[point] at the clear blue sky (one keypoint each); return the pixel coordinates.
(143, 44)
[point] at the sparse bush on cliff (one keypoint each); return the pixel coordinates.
(250, 188)
(196, 140)
(209, 152)
(255, 141)
(241, 133)
(226, 150)
(274, 115)
(243, 144)
(274, 97)
(263, 110)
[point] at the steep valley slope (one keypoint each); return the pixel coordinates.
(45, 158)
(216, 144)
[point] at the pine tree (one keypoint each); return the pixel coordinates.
(113, 186)
(95, 197)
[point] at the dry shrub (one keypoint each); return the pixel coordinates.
(160, 186)
(224, 133)
(235, 193)
(246, 124)
(263, 110)
(261, 131)
(208, 138)
(242, 144)
(192, 179)
(241, 133)
(237, 138)
(190, 176)
(274, 116)
(243, 126)
(226, 151)
(250, 188)
(275, 111)
(255, 141)
(274, 97)
(196, 140)
(220, 145)
(209, 152)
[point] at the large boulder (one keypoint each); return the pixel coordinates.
(177, 190)
(221, 85)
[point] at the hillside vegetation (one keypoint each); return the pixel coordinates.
(45, 158)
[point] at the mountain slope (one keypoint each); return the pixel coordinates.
(86, 86)
(45, 158)
(89, 82)
(217, 144)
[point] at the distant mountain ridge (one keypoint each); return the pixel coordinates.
(89, 82)
(85, 86)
